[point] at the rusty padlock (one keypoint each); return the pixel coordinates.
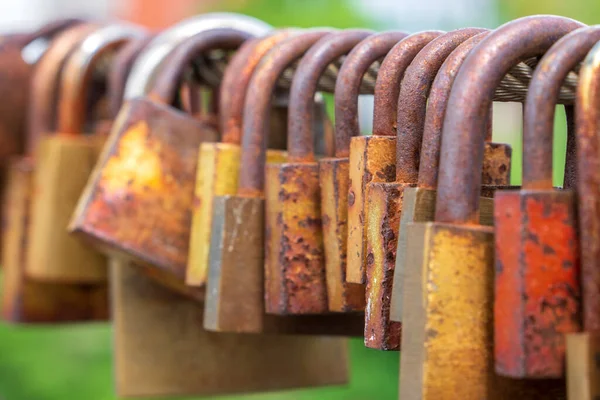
(372, 158)
(448, 325)
(138, 202)
(333, 172)
(583, 349)
(24, 299)
(294, 254)
(418, 203)
(161, 348)
(219, 163)
(68, 157)
(235, 299)
(537, 289)
(384, 199)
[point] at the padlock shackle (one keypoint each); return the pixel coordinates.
(45, 83)
(461, 158)
(171, 74)
(436, 110)
(120, 69)
(347, 86)
(236, 80)
(389, 79)
(78, 71)
(57, 26)
(412, 100)
(587, 112)
(258, 104)
(304, 87)
(540, 105)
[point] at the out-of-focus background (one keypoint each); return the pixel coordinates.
(75, 362)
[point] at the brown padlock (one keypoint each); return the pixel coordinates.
(219, 163)
(333, 172)
(235, 288)
(448, 328)
(294, 255)
(384, 199)
(372, 158)
(537, 289)
(63, 162)
(138, 202)
(583, 349)
(161, 348)
(418, 203)
(26, 300)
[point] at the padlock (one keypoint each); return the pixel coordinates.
(235, 288)
(537, 289)
(383, 206)
(24, 299)
(161, 348)
(137, 204)
(294, 254)
(447, 346)
(583, 349)
(333, 172)
(219, 163)
(418, 203)
(63, 162)
(372, 158)
(120, 70)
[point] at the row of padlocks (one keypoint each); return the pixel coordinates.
(245, 236)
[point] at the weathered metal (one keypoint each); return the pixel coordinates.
(372, 158)
(63, 162)
(24, 299)
(448, 346)
(333, 172)
(537, 287)
(384, 199)
(418, 203)
(294, 264)
(583, 368)
(138, 201)
(235, 299)
(161, 348)
(219, 163)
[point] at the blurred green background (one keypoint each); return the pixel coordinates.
(75, 362)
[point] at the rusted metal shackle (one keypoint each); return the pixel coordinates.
(412, 102)
(167, 82)
(389, 78)
(347, 86)
(436, 111)
(461, 155)
(304, 87)
(256, 108)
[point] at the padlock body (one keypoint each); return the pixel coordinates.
(342, 296)
(384, 208)
(419, 206)
(583, 368)
(372, 159)
(294, 264)
(217, 175)
(138, 202)
(162, 350)
(537, 287)
(25, 300)
(235, 299)
(447, 338)
(62, 167)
